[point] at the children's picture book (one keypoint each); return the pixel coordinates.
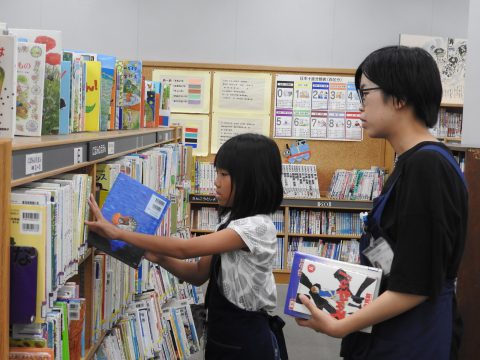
(336, 287)
(30, 84)
(8, 84)
(132, 206)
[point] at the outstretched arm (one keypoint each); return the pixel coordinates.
(219, 242)
(386, 306)
(195, 273)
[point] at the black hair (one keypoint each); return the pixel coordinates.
(255, 167)
(408, 74)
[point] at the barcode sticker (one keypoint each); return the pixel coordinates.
(111, 148)
(30, 222)
(155, 207)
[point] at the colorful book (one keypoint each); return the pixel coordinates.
(51, 100)
(30, 82)
(65, 96)
(132, 93)
(132, 206)
(93, 71)
(28, 228)
(8, 85)
(107, 88)
(338, 288)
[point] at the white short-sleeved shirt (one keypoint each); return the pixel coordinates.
(246, 277)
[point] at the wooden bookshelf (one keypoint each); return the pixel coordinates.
(60, 154)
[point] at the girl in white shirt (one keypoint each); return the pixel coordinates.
(237, 258)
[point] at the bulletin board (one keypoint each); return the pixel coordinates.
(328, 156)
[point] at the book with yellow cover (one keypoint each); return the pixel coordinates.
(28, 227)
(93, 71)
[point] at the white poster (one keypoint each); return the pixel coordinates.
(189, 90)
(225, 126)
(240, 92)
(317, 108)
(195, 131)
(450, 55)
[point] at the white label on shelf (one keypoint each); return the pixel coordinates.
(33, 163)
(111, 148)
(77, 155)
(324, 203)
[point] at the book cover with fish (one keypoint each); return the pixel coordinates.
(132, 206)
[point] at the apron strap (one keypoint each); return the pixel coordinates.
(448, 156)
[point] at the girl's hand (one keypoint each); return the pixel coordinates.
(101, 226)
(154, 257)
(320, 320)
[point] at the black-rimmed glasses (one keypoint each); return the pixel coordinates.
(363, 92)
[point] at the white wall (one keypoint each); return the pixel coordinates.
(303, 33)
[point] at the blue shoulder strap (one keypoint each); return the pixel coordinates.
(447, 155)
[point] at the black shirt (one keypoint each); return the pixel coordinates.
(425, 222)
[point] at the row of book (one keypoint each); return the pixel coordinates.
(46, 89)
(357, 184)
(449, 124)
(61, 336)
(204, 179)
(148, 331)
(324, 222)
(47, 221)
(300, 181)
(204, 218)
(278, 263)
(347, 250)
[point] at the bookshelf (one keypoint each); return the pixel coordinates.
(61, 154)
(468, 283)
(323, 204)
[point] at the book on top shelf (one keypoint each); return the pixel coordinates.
(132, 206)
(8, 85)
(338, 288)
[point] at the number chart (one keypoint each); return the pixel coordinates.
(316, 108)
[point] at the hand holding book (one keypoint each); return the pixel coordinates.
(100, 225)
(320, 321)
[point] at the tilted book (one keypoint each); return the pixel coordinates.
(132, 206)
(336, 287)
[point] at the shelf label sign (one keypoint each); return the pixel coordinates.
(97, 149)
(77, 155)
(111, 147)
(33, 163)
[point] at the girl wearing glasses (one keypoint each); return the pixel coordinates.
(421, 215)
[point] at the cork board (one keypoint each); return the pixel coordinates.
(326, 155)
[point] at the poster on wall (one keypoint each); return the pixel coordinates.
(241, 92)
(189, 90)
(316, 108)
(450, 55)
(195, 131)
(225, 126)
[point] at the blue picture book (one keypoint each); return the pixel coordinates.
(132, 206)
